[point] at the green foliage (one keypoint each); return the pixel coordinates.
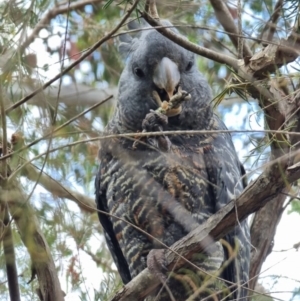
(295, 206)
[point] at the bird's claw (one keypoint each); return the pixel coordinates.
(155, 122)
(156, 263)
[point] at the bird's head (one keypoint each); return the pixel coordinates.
(154, 63)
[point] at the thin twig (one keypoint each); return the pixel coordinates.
(240, 30)
(208, 53)
(225, 18)
(150, 7)
(3, 173)
(148, 134)
(58, 128)
(51, 14)
(10, 258)
(271, 24)
(71, 66)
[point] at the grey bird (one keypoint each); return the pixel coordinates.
(162, 187)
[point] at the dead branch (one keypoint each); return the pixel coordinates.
(261, 191)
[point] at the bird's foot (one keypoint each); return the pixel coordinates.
(155, 122)
(156, 263)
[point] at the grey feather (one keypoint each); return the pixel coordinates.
(167, 192)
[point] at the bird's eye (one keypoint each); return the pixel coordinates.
(189, 66)
(138, 72)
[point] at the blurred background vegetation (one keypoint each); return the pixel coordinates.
(39, 39)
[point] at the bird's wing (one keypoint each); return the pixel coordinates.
(107, 225)
(123, 189)
(227, 176)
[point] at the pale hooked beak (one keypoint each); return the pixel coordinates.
(166, 76)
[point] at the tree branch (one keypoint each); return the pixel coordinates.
(34, 174)
(74, 95)
(262, 231)
(270, 27)
(10, 257)
(150, 7)
(208, 53)
(225, 18)
(85, 203)
(51, 14)
(259, 192)
(34, 240)
(250, 70)
(71, 66)
(282, 114)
